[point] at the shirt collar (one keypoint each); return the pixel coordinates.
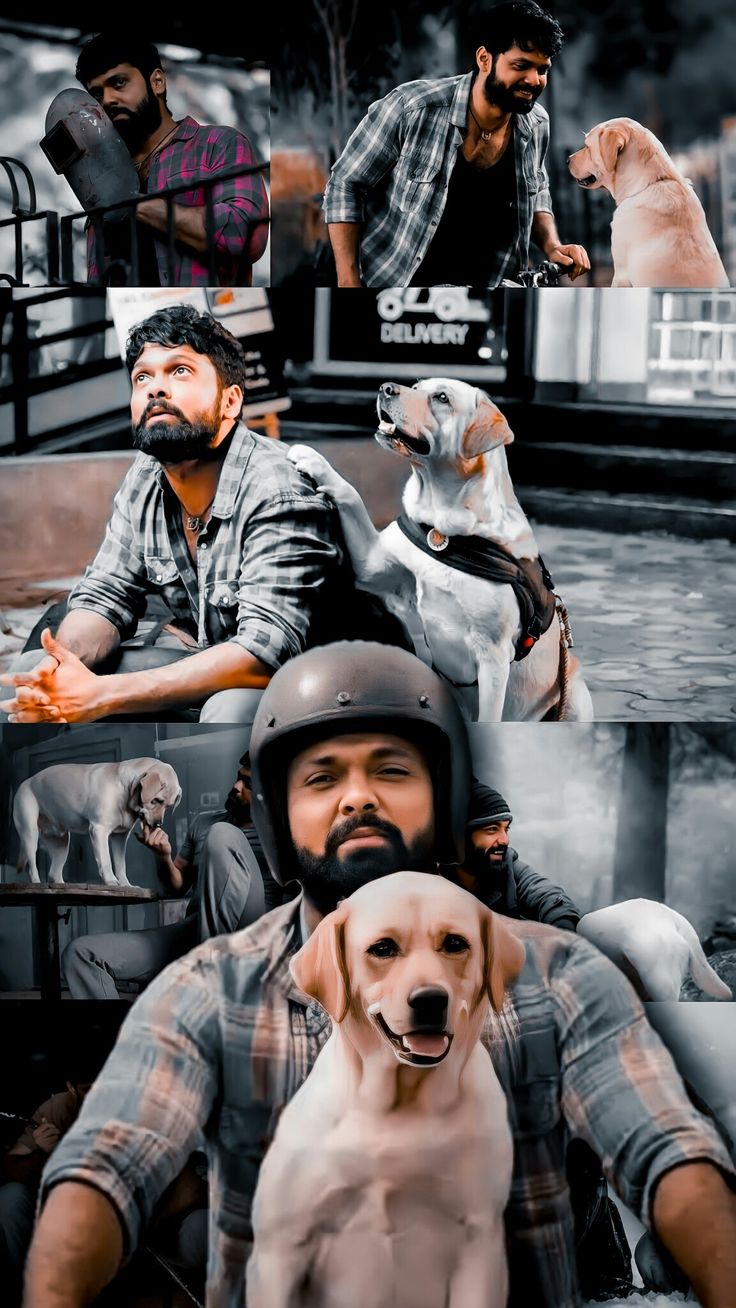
(231, 472)
(186, 129)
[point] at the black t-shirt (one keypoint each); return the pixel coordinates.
(477, 223)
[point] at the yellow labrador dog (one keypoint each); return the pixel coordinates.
(104, 799)
(655, 946)
(659, 234)
(459, 494)
(390, 1169)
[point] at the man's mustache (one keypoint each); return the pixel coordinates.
(342, 830)
(163, 408)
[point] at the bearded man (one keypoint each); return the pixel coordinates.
(444, 180)
(211, 518)
(125, 76)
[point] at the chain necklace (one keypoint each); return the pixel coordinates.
(485, 135)
(199, 522)
(158, 146)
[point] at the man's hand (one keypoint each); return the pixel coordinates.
(59, 689)
(46, 1136)
(573, 258)
(155, 839)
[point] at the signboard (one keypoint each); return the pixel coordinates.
(437, 331)
(245, 312)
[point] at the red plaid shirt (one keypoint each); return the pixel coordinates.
(195, 153)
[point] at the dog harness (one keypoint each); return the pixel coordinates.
(529, 578)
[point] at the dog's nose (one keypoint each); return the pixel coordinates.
(388, 388)
(429, 1006)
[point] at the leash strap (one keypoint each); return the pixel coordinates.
(529, 578)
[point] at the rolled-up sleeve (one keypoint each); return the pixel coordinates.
(115, 584)
(543, 197)
(240, 203)
(147, 1110)
(370, 153)
(620, 1088)
(290, 555)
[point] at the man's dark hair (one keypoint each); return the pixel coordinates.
(522, 23)
(182, 324)
(111, 48)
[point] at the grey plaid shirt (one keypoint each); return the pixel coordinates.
(395, 170)
(262, 560)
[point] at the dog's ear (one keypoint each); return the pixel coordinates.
(486, 429)
(320, 967)
(611, 142)
(504, 957)
(151, 783)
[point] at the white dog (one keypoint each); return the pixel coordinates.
(659, 233)
(459, 501)
(655, 946)
(104, 799)
(390, 1169)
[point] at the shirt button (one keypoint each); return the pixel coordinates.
(159, 576)
(203, 544)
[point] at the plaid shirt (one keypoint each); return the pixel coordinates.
(262, 560)
(223, 1039)
(194, 154)
(394, 173)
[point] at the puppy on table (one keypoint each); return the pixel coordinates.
(390, 1170)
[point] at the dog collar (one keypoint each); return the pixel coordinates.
(478, 557)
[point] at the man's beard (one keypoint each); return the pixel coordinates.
(237, 809)
(175, 442)
(503, 97)
(136, 125)
(327, 878)
(480, 863)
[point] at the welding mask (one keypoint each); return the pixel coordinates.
(82, 145)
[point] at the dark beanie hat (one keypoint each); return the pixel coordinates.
(486, 806)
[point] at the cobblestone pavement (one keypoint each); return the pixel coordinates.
(654, 620)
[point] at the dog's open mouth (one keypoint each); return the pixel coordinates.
(388, 428)
(425, 1048)
(587, 181)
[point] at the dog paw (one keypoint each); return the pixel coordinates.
(314, 465)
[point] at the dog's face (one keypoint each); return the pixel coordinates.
(154, 791)
(609, 148)
(439, 419)
(409, 962)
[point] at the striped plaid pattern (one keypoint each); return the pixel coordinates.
(262, 560)
(221, 1041)
(194, 154)
(394, 173)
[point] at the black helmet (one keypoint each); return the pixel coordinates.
(355, 686)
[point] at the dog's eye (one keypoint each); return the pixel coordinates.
(455, 944)
(384, 948)
(443, 397)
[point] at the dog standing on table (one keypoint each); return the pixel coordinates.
(460, 506)
(386, 1182)
(105, 799)
(659, 232)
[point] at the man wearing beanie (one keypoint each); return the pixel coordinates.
(494, 873)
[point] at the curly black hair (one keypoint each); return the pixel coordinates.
(182, 324)
(522, 23)
(111, 48)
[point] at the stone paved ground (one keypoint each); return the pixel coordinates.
(654, 619)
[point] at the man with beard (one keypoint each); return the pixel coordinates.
(444, 182)
(361, 768)
(125, 76)
(220, 861)
(213, 520)
(494, 873)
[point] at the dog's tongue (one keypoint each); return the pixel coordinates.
(429, 1046)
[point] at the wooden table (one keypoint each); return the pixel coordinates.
(46, 901)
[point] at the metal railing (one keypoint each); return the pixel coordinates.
(114, 268)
